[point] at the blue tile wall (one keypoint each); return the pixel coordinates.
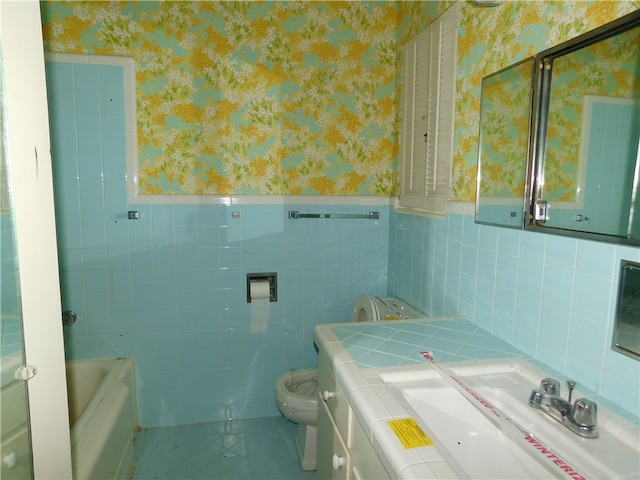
(552, 297)
(170, 289)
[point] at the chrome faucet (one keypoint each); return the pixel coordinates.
(581, 418)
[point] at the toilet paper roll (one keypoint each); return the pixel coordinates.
(260, 305)
(259, 290)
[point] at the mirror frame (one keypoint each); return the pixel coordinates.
(542, 89)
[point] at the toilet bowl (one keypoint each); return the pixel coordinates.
(296, 395)
(297, 400)
(296, 391)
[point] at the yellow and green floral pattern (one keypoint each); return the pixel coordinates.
(251, 97)
(504, 131)
(296, 97)
(491, 39)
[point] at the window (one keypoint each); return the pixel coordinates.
(429, 74)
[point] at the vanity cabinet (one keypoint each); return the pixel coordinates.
(365, 464)
(343, 449)
(332, 456)
(16, 456)
(334, 416)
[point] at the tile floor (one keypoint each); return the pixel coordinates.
(258, 448)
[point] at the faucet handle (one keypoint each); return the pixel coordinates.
(585, 412)
(550, 385)
(571, 384)
(535, 399)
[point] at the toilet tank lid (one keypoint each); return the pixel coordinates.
(392, 308)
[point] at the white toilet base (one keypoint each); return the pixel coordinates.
(306, 444)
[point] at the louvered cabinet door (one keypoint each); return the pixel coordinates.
(428, 106)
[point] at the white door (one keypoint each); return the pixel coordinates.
(29, 160)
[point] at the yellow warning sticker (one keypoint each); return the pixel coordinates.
(409, 433)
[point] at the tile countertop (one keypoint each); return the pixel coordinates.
(360, 354)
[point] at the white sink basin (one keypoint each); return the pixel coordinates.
(481, 448)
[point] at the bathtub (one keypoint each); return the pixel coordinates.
(103, 415)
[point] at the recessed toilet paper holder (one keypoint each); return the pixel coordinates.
(271, 277)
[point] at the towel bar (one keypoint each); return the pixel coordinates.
(371, 215)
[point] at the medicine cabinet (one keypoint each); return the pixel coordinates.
(582, 172)
(505, 122)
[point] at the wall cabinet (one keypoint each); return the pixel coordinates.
(428, 110)
(343, 450)
(560, 136)
(586, 169)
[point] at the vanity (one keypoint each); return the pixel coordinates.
(386, 411)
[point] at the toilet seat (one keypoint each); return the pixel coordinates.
(364, 309)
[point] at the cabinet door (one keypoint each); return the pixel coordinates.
(332, 459)
(332, 396)
(428, 109)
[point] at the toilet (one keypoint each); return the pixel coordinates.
(296, 391)
(297, 400)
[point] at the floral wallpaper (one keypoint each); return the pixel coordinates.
(297, 97)
(506, 108)
(492, 38)
(251, 97)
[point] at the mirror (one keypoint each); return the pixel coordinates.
(626, 333)
(586, 172)
(505, 114)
